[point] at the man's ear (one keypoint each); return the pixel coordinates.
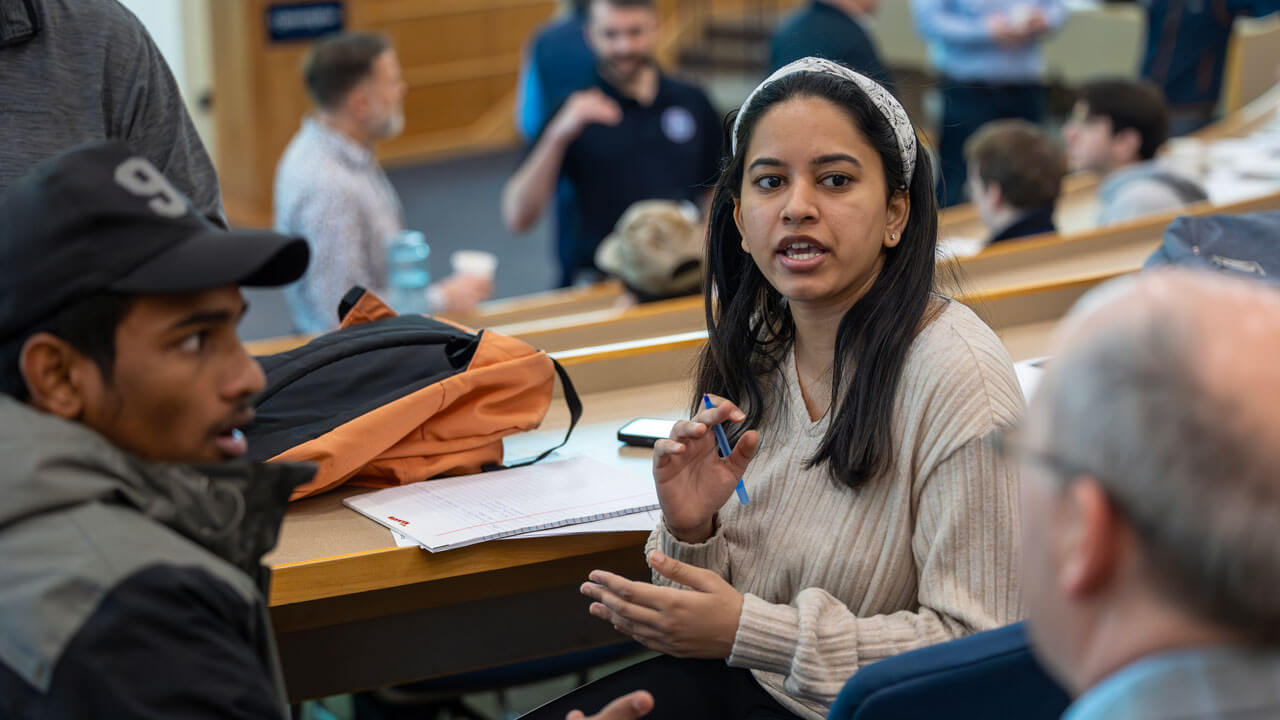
(56, 375)
(1127, 144)
(1092, 541)
(996, 194)
(896, 217)
(357, 100)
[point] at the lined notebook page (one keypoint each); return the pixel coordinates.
(455, 512)
(644, 521)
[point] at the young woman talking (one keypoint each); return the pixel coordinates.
(857, 398)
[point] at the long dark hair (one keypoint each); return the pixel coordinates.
(750, 326)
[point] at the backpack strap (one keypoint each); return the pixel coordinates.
(575, 414)
(361, 306)
(1187, 191)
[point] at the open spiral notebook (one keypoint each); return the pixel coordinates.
(454, 512)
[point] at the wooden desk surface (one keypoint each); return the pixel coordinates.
(612, 325)
(536, 306)
(352, 611)
(327, 550)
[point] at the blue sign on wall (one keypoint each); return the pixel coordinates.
(303, 22)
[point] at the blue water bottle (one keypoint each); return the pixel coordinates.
(409, 272)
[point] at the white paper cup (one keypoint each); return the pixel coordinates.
(474, 262)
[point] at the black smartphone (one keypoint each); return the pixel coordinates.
(645, 431)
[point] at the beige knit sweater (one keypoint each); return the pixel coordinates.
(836, 578)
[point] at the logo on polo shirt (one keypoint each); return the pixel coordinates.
(678, 124)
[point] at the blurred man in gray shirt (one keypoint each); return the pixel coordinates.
(330, 189)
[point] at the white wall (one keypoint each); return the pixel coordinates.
(180, 28)
(163, 19)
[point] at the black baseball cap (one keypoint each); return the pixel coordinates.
(99, 217)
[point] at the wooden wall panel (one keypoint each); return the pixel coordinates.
(1253, 62)
(235, 105)
(460, 59)
(450, 104)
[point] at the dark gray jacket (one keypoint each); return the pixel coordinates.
(72, 71)
(130, 589)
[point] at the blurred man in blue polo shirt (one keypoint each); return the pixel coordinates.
(988, 53)
(557, 63)
(635, 134)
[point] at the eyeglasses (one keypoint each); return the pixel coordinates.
(1010, 443)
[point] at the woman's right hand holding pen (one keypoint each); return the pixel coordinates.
(693, 481)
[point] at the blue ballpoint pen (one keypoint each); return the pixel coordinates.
(725, 450)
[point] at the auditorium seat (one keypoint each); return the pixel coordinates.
(988, 675)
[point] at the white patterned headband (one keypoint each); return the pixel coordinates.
(886, 103)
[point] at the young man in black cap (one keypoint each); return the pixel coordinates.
(130, 586)
(131, 537)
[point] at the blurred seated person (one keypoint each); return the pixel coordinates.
(330, 189)
(833, 29)
(656, 251)
(636, 134)
(1015, 176)
(1115, 129)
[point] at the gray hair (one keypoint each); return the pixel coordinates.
(1130, 407)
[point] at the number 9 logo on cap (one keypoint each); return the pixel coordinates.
(142, 179)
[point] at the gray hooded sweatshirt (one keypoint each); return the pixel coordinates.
(131, 589)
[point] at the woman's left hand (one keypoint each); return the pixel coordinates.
(697, 623)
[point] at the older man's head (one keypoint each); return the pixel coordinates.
(1151, 478)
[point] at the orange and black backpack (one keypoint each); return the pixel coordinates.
(387, 400)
